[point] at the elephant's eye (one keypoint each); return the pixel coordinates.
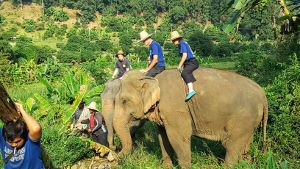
(124, 101)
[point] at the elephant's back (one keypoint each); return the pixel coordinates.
(214, 78)
(221, 97)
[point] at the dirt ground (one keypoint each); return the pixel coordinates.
(94, 163)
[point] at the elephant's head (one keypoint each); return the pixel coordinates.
(108, 95)
(137, 95)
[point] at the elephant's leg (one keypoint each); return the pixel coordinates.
(236, 146)
(110, 136)
(165, 146)
(179, 133)
(246, 155)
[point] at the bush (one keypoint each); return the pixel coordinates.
(125, 41)
(178, 14)
(49, 11)
(43, 53)
(61, 31)
(64, 149)
(101, 69)
(51, 28)
(29, 25)
(60, 16)
(284, 116)
(1, 19)
(117, 24)
(201, 43)
(48, 34)
(26, 51)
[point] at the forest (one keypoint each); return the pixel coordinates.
(50, 48)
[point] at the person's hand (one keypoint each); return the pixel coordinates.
(180, 69)
(144, 70)
(20, 108)
(89, 130)
(79, 120)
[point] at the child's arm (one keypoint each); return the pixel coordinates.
(115, 73)
(34, 127)
(183, 58)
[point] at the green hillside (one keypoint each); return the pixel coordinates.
(49, 48)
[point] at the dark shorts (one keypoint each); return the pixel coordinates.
(154, 71)
(100, 138)
(188, 68)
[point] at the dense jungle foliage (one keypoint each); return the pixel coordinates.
(49, 48)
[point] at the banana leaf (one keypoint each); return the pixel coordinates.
(71, 109)
(94, 91)
(8, 109)
(44, 105)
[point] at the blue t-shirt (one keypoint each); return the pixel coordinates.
(155, 49)
(184, 47)
(28, 157)
(122, 66)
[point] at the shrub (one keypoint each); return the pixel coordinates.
(283, 95)
(201, 43)
(43, 53)
(178, 14)
(61, 31)
(101, 69)
(29, 25)
(1, 19)
(60, 16)
(63, 148)
(125, 41)
(49, 11)
(25, 50)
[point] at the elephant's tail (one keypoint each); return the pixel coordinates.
(265, 121)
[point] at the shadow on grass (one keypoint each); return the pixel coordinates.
(206, 147)
(147, 137)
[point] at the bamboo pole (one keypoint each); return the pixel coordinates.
(8, 110)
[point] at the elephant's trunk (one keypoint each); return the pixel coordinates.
(121, 125)
(124, 134)
(108, 113)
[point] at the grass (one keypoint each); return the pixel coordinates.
(23, 92)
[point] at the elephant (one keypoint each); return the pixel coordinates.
(111, 88)
(228, 107)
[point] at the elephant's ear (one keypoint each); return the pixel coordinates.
(150, 92)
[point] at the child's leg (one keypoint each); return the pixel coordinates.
(190, 86)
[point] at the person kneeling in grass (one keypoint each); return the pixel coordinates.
(20, 142)
(187, 64)
(96, 125)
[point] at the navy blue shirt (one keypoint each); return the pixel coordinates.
(155, 49)
(122, 66)
(184, 47)
(27, 157)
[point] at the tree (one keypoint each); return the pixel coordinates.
(178, 14)
(291, 9)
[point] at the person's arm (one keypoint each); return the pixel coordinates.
(98, 120)
(148, 60)
(183, 58)
(34, 127)
(115, 73)
(127, 66)
(85, 121)
(183, 51)
(84, 115)
(153, 63)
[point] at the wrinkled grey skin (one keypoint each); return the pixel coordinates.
(227, 108)
(111, 88)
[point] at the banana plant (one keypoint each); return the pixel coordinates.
(291, 9)
(73, 86)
